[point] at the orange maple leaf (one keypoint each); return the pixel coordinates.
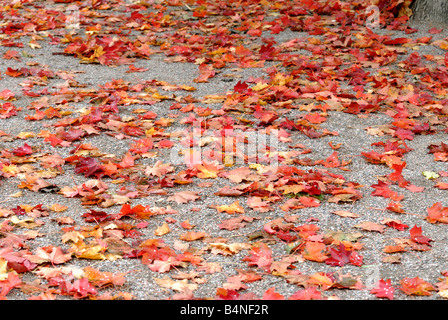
(208, 170)
(235, 207)
(315, 251)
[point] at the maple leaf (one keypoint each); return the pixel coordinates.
(235, 207)
(7, 110)
(184, 196)
(186, 225)
(416, 286)
(127, 161)
(417, 236)
(441, 185)
(309, 202)
(384, 289)
(23, 151)
(397, 176)
(292, 204)
(102, 279)
(315, 118)
(206, 71)
(437, 213)
(96, 216)
(395, 207)
(58, 208)
(270, 294)
(139, 211)
(430, 175)
(258, 204)
(315, 251)
(7, 95)
(52, 161)
(52, 254)
(159, 169)
(241, 87)
(227, 294)
(234, 223)
(132, 68)
(382, 190)
(237, 175)
(260, 256)
(89, 167)
(16, 260)
(347, 195)
(162, 230)
(339, 257)
(13, 280)
(193, 235)
(79, 288)
(208, 170)
(310, 293)
(396, 224)
(229, 192)
(344, 213)
(266, 117)
(370, 226)
(323, 280)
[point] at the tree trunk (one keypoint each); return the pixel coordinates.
(430, 10)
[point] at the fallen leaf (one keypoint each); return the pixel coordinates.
(370, 226)
(184, 196)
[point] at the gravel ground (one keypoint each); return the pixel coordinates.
(353, 136)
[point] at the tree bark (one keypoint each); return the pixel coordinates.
(430, 10)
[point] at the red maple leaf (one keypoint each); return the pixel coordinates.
(241, 87)
(356, 259)
(206, 71)
(227, 294)
(270, 294)
(12, 281)
(80, 288)
(7, 110)
(417, 236)
(437, 213)
(416, 286)
(309, 201)
(89, 167)
(23, 151)
(396, 224)
(260, 256)
(310, 293)
(384, 289)
(382, 190)
(339, 257)
(96, 216)
(397, 176)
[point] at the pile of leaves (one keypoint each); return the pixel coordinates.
(348, 68)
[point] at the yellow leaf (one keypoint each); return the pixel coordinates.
(10, 171)
(74, 236)
(233, 208)
(163, 229)
(82, 250)
(26, 134)
(3, 269)
(442, 44)
(58, 208)
(260, 86)
(208, 170)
